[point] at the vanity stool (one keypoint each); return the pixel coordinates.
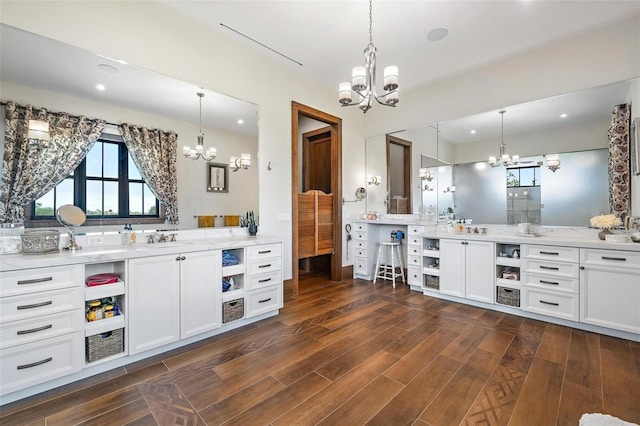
(389, 253)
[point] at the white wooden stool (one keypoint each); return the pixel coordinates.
(388, 254)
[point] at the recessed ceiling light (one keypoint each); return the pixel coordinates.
(473, 132)
(437, 34)
(100, 87)
(563, 115)
(240, 121)
(107, 68)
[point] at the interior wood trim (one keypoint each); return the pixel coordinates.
(407, 170)
(300, 110)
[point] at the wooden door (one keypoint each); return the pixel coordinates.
(316, 160)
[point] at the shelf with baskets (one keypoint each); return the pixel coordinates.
(233, 274)
(431, 264)
(105, 304)
(508, 276)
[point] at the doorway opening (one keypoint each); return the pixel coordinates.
(316, 197)
(399, 175)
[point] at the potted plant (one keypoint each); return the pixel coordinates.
(249, 221)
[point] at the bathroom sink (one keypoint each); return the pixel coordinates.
(164, 245)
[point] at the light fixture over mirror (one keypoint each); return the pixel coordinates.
(374, 180)
(363, 80)
(552, 161)
(503, 158)
(198, 151)
(240, 163)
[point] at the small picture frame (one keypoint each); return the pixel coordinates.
(635, 146)
(217, 177)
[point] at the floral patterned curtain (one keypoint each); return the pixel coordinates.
(619, 172)
(154, 152)
(28, 172)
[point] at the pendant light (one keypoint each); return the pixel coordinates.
(198, 152)
(503, 158)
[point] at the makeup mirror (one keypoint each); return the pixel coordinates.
(71, 216)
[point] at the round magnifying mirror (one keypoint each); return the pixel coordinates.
(70, 216)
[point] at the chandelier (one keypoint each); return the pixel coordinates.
(363, 80)
(503, 158)
(198, 151)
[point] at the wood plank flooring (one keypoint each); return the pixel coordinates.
(355, 354)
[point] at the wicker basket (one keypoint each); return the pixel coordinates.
(232, 310)
(432, 282)
(39, 241)
(508, 296)
(104, 345)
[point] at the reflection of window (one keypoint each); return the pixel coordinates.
(523, 176)
(106, 185)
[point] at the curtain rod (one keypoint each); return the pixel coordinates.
(4, 103)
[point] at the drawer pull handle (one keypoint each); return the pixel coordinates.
(549, 282)
(551, 268)
(265, 280)
(264, 266)
(35, 330)
(34, 364)
(264, 252)
(550, 253)
(622, 259)
(507, 290)
(35, 280)
(264, 300)
(35, 305)
(549, 303)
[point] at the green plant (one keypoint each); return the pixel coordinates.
(248, 219)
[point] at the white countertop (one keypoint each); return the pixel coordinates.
(121, 252)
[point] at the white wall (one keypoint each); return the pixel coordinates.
(193, 197)
(153, 36)
(634, 99)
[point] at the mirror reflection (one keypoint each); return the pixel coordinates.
(566, 133)
(79, 82)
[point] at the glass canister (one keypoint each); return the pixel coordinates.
(10, 241)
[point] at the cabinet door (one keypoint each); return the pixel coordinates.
(154, 302)
(479, 271)
(200, 292)
(610, 297)
(452, 267)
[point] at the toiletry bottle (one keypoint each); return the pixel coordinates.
(134, 237)
(126, 234)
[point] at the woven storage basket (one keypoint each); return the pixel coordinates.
(232, 310)
(433, 282)
(104, 345)
(508, 296)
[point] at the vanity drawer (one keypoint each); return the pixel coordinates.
(360, 235)
(570, 285)
(35, 329)
(262, 266)
(414, 275)
(361, 252)
(414, 261)
(415, 230)
(414, 240)
(556, 304)
(570, 270)
(37, 362)
(558, 254)
(414, 250)
(361, 266)
(41, 279)
(615, 258)
(263, 280)
(358, 227)
(35, 305)
(264, 300)
(266, 251)
(360, 244)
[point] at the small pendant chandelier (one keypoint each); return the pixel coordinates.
(363, 80)
(503, 158)
(198, 152)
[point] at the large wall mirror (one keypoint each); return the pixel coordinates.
(572, 127)
(46, 73)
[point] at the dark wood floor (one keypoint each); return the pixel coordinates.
(352, 354)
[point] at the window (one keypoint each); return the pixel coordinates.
(523, 176)
(106, 185)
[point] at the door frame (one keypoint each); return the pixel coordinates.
(406, 175)
(299, 110)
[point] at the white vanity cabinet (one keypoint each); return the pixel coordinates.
(414, 255)
(362, 252)
(550, 280)
(172, 297)
(264, 279)
(467, 269)
(41, 325)
(610, 289)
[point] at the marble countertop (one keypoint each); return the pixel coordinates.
(108, 253)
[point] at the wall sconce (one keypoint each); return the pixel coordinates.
(243, 162)
(38, 135)
(553, 162)
(425, 174)
(450, 189)
(374, 180)
(428, 187)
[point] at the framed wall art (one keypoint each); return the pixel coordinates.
(217, 177)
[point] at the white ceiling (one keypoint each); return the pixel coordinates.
(328, 37)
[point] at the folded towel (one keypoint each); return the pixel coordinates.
(100, 279)
(228, 259)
